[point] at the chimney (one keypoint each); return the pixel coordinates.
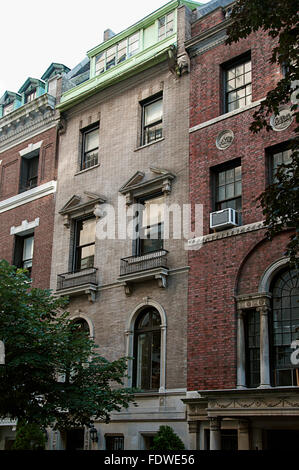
(108, 34)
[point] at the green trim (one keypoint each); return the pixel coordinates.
(147, 21)
(94, 85)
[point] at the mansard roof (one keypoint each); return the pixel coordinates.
(31, 82)
(9, 96)
(54, 69)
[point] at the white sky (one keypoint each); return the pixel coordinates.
(33, 34)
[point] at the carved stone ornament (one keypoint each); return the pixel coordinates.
(224, 139)
(283, 120)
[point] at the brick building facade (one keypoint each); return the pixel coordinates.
(29, 125)
(121, 147)
(241, 384)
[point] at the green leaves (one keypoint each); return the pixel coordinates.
(279, 19)
(53, 373)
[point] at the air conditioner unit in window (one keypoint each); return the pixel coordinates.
(224, 219)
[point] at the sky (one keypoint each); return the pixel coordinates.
(33, 34)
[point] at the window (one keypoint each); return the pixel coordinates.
(228, 188)
(90, 147)
(117, 53)
(84, 243)
(166, 26)
(23, 252)
(284, 327)
(252, 326)
(237, 85)
(30, 96)
(147, 350)
(150, 225)
(8, 108)
(152, 113)
(29, 172)
(114, 442)
(280, 157)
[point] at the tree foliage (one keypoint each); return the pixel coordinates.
(279, 19)
(29, 436)
(167, 439)
(53, 373)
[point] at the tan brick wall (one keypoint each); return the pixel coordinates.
(119, 111)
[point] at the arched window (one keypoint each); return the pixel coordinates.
(82, 325)
(284, 327)
(147, 350)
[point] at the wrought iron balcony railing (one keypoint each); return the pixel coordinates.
(135, 264)
(77, 278)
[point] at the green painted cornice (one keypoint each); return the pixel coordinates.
(136, 64)
(145, 22)
(31, 81)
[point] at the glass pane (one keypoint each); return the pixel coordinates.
(153, 212)
(143, 358)
(221, 193)
(231, 85)
(133, 44)
(153, 112)
(241, 102)
(87, 257)
(238, 188)
(238, 173)
(240, 81)
(87, 232)
(91, 140)
(221, 178)
(122, 51)
(231, 97)
(8, 109)
(232, 106)
(239, 70)
(230, 191)
(240, 93)
(156, 360)
(110, 57)
(230, 175)
(28, 248)
(145, 321)
(247, 78)
(247, 66)
(231, 74)
(100, 63)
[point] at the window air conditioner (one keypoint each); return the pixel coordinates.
(224, 219)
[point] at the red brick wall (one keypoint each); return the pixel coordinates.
(219, 271)
(43, 235)
(11, 163)
(207, 22)
(233, 265)
(206, 92)
(42, 208)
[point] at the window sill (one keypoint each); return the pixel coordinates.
(148, 145)
(87, 169)
(222, 117)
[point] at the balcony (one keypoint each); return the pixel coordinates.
(142, 268)
(78, 283)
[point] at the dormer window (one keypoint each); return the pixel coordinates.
(8, 108)
(166, 26)
(30, 96)
(117, 53)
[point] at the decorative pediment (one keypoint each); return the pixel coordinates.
(77, 206)
(140, 185)
(9, 97)
(30, 84)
